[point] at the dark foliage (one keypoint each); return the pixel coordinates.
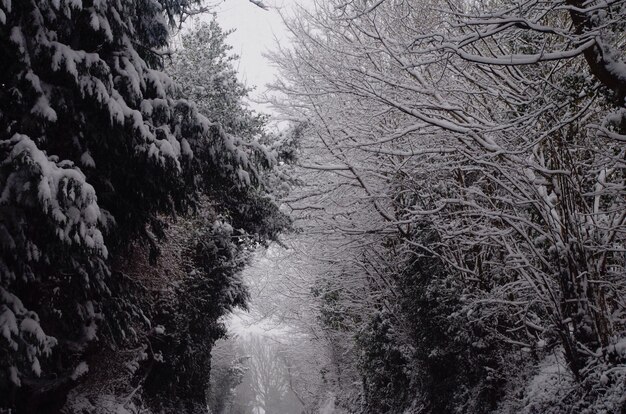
(97, 148)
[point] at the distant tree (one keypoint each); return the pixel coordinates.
(266, 383)
(203, 69)
(228, 367)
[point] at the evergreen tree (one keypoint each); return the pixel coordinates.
(96, 142)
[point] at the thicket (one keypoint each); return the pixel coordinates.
(127, 211)
(464, 164)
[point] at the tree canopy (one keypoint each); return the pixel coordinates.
(98, 147)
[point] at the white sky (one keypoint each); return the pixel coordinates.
(256, 32)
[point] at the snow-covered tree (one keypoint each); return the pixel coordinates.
(486, 137)
(266, 383)
(203, 69)
(96, 142)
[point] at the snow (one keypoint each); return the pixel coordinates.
(519, 59)
(94, 21)
(619, 347)
(161, 82)
(36, 367)
(328, 405)
(244, 176)
(615, 65)
(44, 110)
(82, 214)
(65, 58)
(8, 326)
(91, 214)
(53, 188)
(13, 302)
(61, 194)
(32, 327)
(17, 37)
(222, 227)
(81, 369)
(33, 252)
(186, 148)
(73, 213)
(552, 376)
(146, 107)
(87, 161)
(14, 376)
(90, 331)
(103, 403)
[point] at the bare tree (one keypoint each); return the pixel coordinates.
(498, 124)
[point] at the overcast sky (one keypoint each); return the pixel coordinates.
(256, 32)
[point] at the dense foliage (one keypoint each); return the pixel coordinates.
(98, 148)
